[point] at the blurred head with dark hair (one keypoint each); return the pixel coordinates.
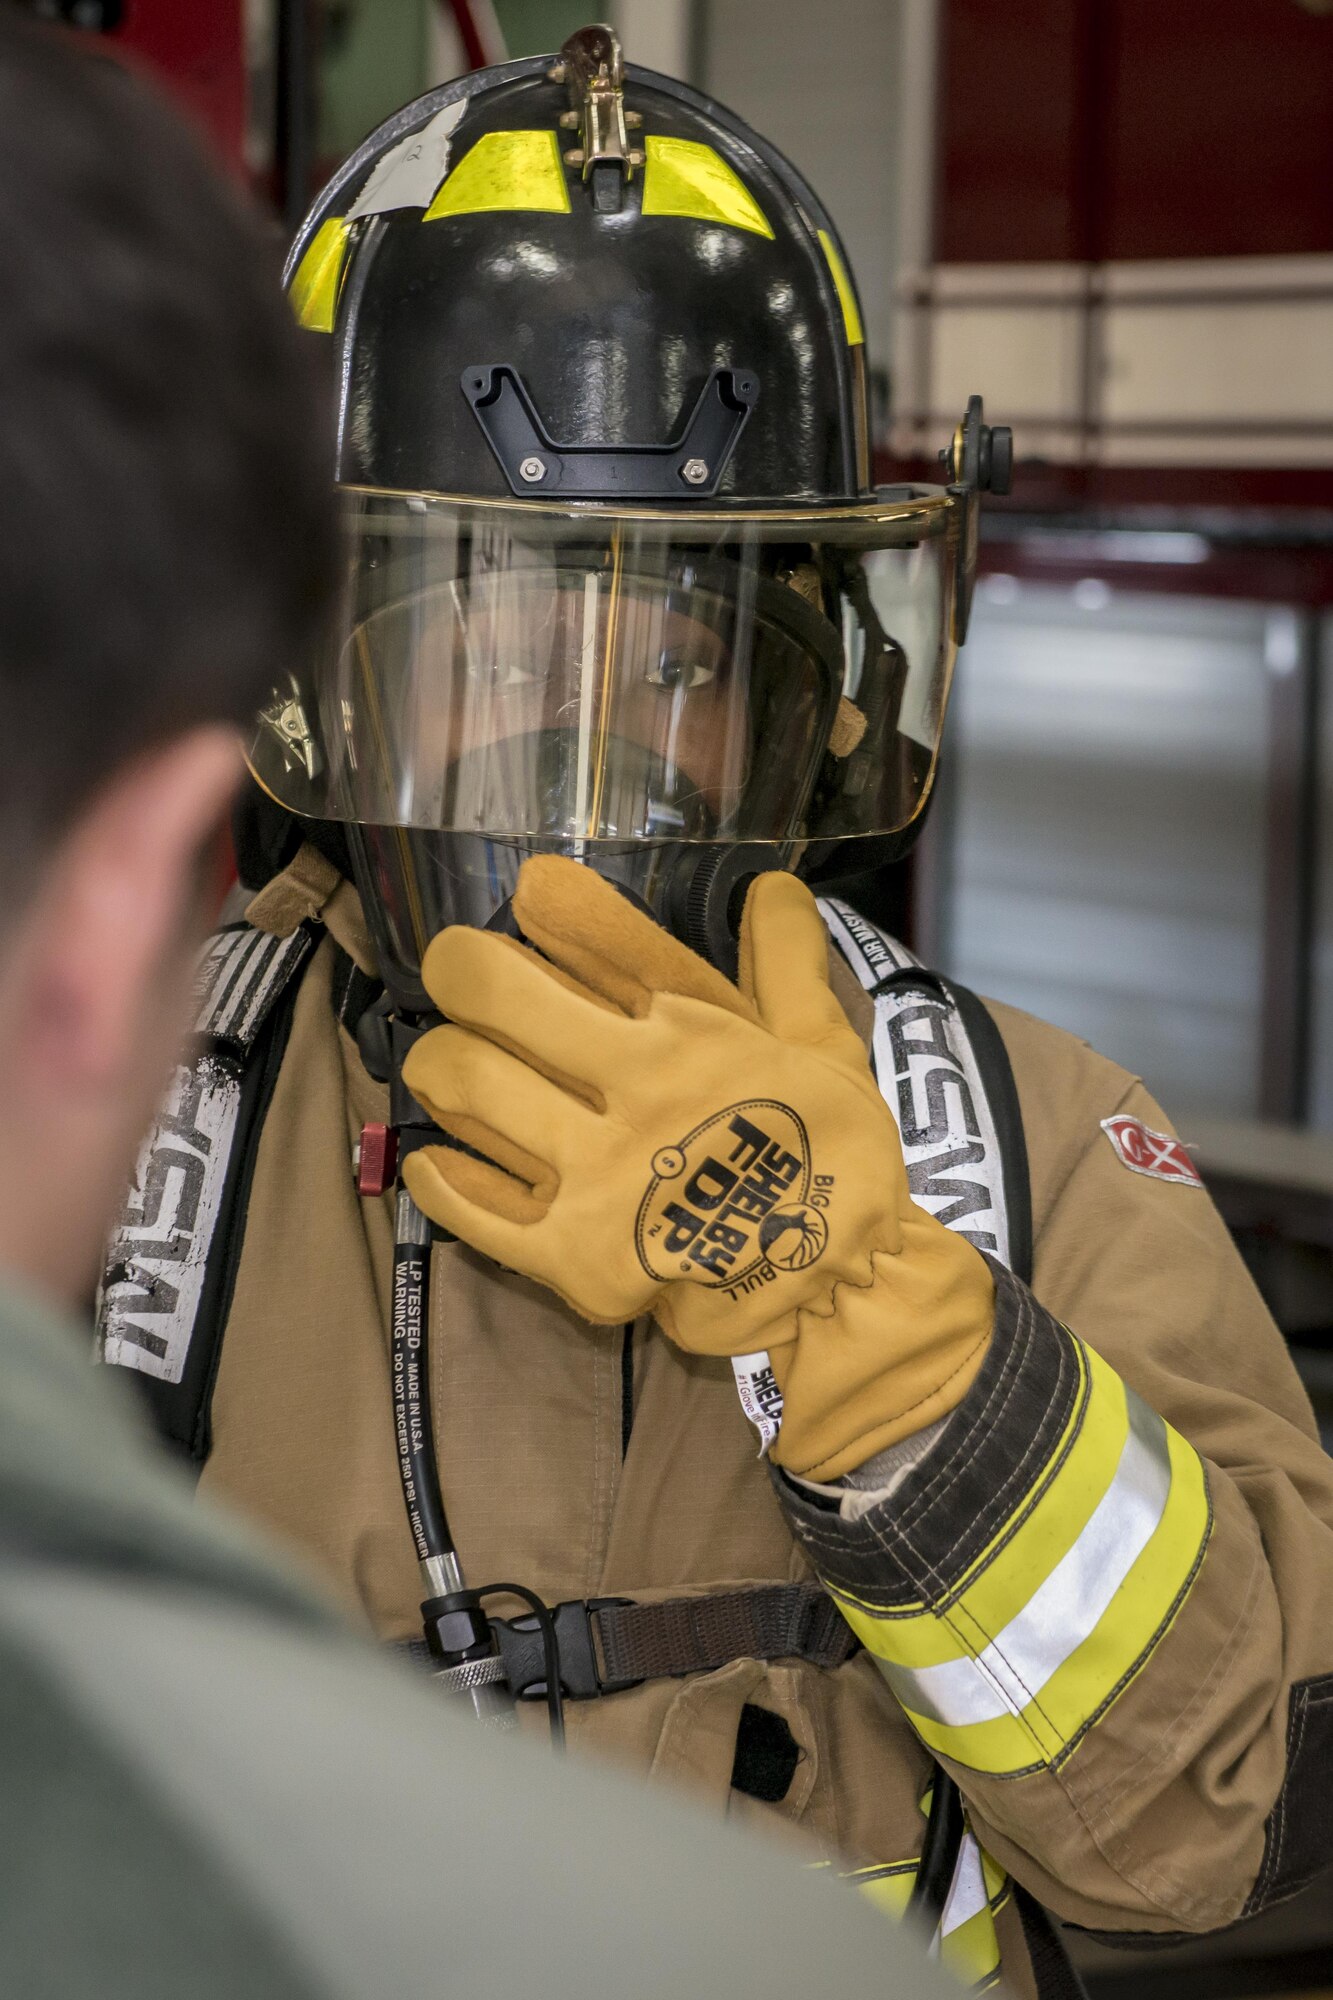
(166, 548)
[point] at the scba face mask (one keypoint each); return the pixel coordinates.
(628, 689)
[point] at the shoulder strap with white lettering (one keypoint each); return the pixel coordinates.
(945, 1074)
(172, 1257)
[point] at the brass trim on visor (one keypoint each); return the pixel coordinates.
(928, 506)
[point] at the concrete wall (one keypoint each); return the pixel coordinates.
(825, 83)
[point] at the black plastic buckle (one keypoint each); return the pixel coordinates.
(520, 1643)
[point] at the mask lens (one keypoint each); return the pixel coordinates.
(523, 674)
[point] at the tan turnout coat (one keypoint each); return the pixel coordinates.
(1157, 1824)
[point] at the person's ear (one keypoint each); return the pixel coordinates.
(121, 901)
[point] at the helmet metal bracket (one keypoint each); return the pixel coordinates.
(591, 64)
(979, 460)
(687, 469)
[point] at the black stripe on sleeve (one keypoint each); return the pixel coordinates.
(917, 1546)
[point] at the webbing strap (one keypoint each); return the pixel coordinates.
(351, 990)
(172, 1258)
(1053, 1970)
(607, 1644)
(692, 1635)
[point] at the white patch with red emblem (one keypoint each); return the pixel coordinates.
(1144, 1151)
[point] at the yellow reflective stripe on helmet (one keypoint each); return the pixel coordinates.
(684, 177)
(314, 288)
(505, 170)
(1068, 1637)
(851, 312)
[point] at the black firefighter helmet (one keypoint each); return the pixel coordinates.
(617, 580)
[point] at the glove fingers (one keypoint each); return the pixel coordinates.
(591, 931)
(497, 1215)
(784, 965)
(492, 1210)
(455, 1074)
(500, 989)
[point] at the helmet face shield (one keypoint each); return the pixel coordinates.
(578, 676)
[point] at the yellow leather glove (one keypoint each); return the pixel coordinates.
(665, 1143)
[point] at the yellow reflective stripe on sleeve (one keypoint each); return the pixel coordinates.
(965, 1940)
(505, 170)
(851, 312)
(1037, 1535)
(997, 1882)
(685, 177)
(314, 289)
(888, 1889)
(968, 1946)
(1066, 1640)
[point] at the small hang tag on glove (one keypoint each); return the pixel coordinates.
(761, 1398)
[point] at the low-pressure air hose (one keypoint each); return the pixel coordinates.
(413, 1427)
(945, 1827)
(458, 1632)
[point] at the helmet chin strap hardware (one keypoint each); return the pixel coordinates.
(533, 463)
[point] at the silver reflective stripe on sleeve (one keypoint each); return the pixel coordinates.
(1066, 1608)
(967, 1895)
(965, 1941)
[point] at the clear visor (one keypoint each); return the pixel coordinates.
(529, 672)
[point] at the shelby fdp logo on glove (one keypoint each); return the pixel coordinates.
(735, 1202)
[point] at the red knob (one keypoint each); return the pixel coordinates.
(376, 1160)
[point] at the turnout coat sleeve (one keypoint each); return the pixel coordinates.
(1104, 1598)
